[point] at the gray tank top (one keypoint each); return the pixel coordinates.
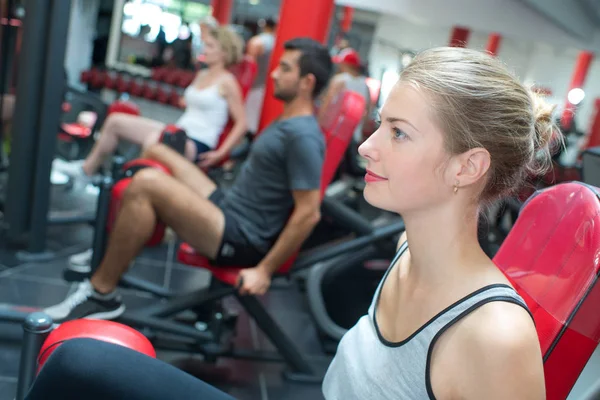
(366, 366)
(262, 61)
(357, 84)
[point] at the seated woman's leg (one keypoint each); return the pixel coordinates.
(93, 370)
(8, 107)
(193, 148)
(134, 129)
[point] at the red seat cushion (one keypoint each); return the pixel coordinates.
(76, 130)
(552, 258)
(187, 255)
(107, 331)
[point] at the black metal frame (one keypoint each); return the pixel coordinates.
(37, 115)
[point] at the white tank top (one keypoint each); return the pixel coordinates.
(366, 366)
(205, 115)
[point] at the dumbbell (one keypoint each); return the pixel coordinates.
(163, 92)
(175, 97)
(174, 137)
(158, 74)
(111, 80)
(137, 86)
(123, 82)
(186, 79)
(150, 90)
(173, 76)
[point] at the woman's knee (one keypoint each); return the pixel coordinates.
(153, 151)
(71, 360)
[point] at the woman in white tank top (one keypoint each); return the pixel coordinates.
(458, 131)
(212, 97)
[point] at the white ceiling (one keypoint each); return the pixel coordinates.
(559, 22)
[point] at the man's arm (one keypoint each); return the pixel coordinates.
(306, 215)
(304, 165)
(304, 218)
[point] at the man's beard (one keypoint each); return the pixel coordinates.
(286, 95)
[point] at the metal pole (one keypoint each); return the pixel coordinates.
(49, 120)
(25, 121)
(100, 234)
(36, 329)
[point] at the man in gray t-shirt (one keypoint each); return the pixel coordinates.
(260, 222)
(286, 157)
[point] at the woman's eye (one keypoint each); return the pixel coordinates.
(399, 134)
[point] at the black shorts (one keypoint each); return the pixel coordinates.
(235, 248)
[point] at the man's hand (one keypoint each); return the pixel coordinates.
(254, 281)
(210, 158)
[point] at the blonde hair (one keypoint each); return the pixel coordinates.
(477, 102)
(231, 43)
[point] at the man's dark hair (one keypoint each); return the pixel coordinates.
(315, 60)
(271, 23)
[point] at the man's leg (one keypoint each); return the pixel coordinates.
(151, 195)
(183, 170)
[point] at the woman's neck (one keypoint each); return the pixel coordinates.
(215, 69)
(443, 245)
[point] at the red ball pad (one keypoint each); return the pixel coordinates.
(107, 331)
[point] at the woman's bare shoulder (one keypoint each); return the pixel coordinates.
(499, 353)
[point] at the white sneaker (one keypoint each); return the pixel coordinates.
(87, 303)
(82, 262)
(72, 168)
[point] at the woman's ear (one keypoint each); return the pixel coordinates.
(474, 164)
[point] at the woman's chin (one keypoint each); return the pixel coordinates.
(377, 201)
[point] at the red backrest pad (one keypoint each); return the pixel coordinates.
(552, 257)
(344, 115)
(107, 331)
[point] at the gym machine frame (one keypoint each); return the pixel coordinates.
(37, 117)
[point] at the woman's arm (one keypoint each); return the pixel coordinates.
(233, 94)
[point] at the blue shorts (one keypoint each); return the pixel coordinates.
(200, 147)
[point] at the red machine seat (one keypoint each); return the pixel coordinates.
(107, 331)
(552, 257)
(346, 113)
(76, 130)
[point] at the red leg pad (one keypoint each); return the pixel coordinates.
(107, 331)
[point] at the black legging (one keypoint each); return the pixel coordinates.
(93, 370)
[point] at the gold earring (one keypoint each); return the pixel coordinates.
(456, 186)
